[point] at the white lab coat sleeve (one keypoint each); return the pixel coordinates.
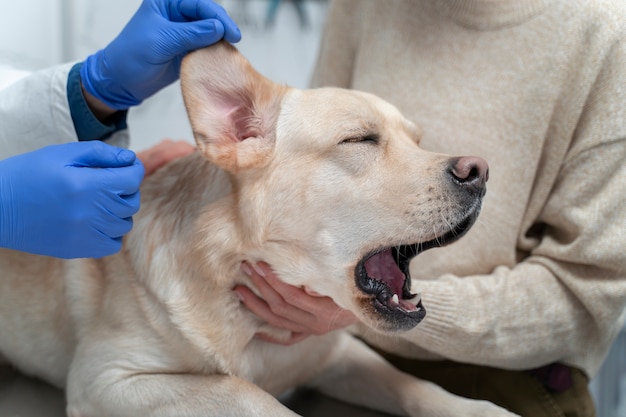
(34, 112)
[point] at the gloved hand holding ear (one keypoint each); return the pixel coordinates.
(146, 55)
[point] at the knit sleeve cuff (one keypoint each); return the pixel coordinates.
(87, 126)
(441, 304)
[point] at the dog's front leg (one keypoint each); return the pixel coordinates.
(358, 375)
(170, 395)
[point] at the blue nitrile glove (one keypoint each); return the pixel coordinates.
(69, 201)
(146, 55)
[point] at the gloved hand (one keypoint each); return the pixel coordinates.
(69, 201)
(146, 55)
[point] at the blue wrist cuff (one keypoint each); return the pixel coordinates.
(87, 126)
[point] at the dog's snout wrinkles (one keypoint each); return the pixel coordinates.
(470, 172)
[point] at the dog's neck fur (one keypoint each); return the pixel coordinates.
(193, 201)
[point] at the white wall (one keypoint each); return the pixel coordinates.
(30, 33)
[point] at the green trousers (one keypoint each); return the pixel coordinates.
(517, 391)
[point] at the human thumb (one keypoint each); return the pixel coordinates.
(100, 155)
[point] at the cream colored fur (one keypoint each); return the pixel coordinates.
(310, 181)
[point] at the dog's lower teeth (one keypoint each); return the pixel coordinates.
(395, 299)
(416, 299)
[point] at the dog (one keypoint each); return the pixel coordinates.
(328, 186)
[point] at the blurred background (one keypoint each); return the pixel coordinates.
(280, 38)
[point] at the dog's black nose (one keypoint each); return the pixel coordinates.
(470, 171)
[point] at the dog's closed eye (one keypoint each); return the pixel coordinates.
(369, 139)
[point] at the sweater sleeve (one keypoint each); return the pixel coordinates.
(565, 301)
(338, 47)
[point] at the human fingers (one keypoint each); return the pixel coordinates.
(260, 308)
(97, 154)
(121, 181)
(113, 226)
(327, 315)
(122, 206)
(204, 9)
(271, 307)
(188, 36)
(307, 313)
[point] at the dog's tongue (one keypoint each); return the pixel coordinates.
(381, 266)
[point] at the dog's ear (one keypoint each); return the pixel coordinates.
(232, 108)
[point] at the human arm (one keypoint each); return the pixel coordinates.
(339, 45)
(564, 302)
(59, 198)
(547, 308)
(564, 298)
(87, 102)
(35, 112)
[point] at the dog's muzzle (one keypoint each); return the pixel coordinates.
(384, 276)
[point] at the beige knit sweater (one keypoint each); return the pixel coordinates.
(538, 88)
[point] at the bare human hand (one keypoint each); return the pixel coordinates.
(163, 152)
(284, 306)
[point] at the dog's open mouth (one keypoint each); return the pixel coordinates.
(384, 275)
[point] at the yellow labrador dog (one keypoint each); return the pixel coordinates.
(328, 186)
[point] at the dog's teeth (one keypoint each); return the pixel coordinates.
(395, 299)
(416, 299)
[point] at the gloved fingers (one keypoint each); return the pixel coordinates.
(97, 154)
(121, 181)
(103, 238)
(120, 228)
(105, 247)
(204, 9)
(126, 205)
(122, 206)
(194, 35)
(112, 226)
(112, 247)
